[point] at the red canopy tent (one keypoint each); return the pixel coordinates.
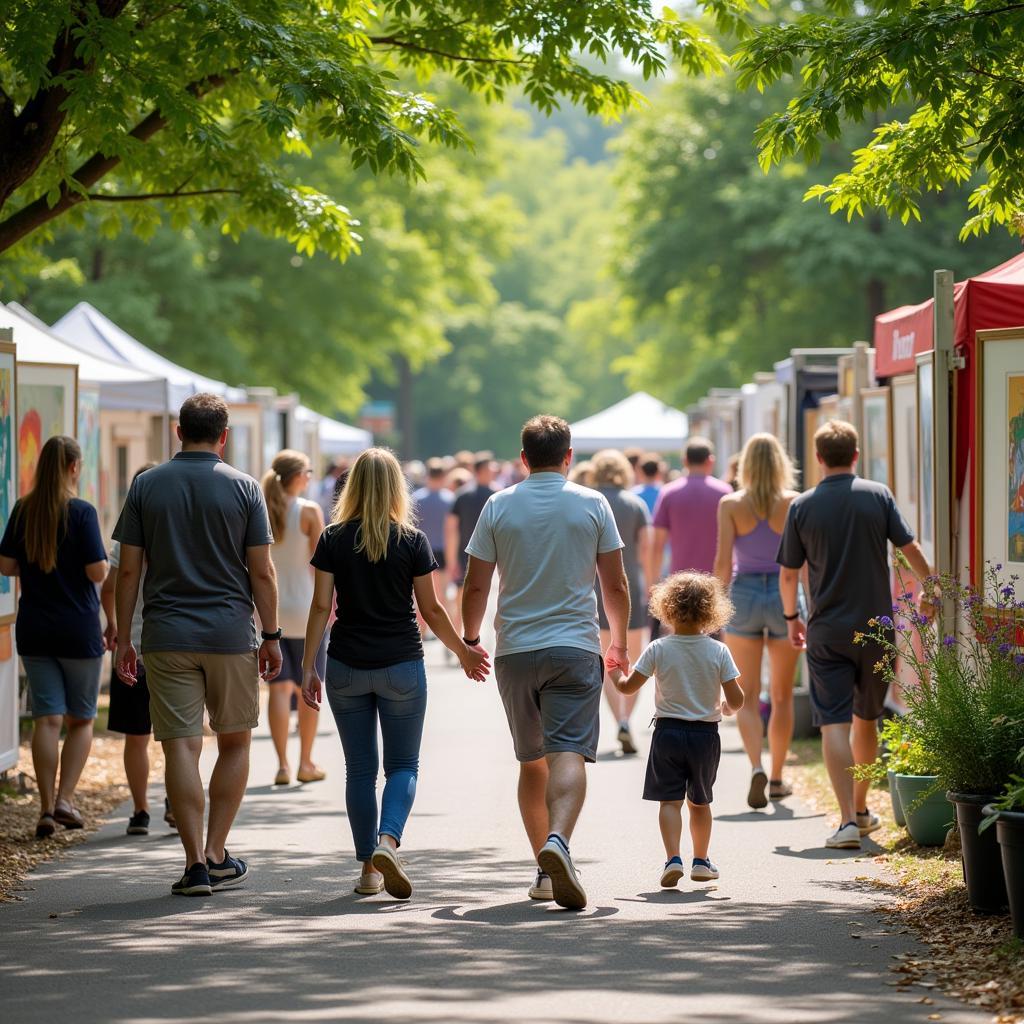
(989, 300)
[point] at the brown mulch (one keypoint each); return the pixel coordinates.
(972, 957)
(101, 789)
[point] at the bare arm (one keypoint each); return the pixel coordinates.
(657, 559)
(109, 609)
(451, 543)
(644, 542)
(316, 624)
(475, 593)
(615, 593)
(473, 660)
(733, 696)
(126, 597)
(628, 685)
(915, 557)
(312, 523)
(97, 571)
(726, 539)
(9, 566)
(789, 580)
(263, 581)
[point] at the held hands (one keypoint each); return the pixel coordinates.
(617, 658)
(797, 633)
(475, 661)
(312, 688)
(126, 661)
(269, 658)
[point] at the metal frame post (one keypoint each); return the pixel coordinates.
(943, 339)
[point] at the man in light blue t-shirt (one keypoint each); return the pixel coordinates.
(548, 538)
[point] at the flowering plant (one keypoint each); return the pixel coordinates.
(902, 752)
(967, 708)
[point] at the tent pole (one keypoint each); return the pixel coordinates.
(944, 490)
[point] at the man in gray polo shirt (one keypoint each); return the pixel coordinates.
(842, 529)
(201, 528)
(548, 538)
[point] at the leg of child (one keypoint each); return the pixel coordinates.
(700, 828)
(670, 818)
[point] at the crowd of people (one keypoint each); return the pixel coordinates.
(609, 572)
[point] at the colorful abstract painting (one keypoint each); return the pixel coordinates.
(41, 415)
(89, 439)
(1015, 492)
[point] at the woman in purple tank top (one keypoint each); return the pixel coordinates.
(750, 524)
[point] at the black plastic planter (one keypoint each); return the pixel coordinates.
(1010, 835)
(983, 867)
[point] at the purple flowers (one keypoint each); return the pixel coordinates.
(1005, 649)
(885, 622)
(949, 640)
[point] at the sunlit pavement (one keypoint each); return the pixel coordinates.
(788, 934)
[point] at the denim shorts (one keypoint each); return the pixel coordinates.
(758, 604)
(63, 686)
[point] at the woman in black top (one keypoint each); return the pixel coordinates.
(53, 543)
(374, 559)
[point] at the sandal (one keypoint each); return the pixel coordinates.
(68, 816)
(316, 775)
(282, 778)
(46, 826)
(779, 790)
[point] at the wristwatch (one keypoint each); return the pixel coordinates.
(471, 643)
(791, 618)
(276, 635)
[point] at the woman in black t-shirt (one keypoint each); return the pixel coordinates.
(53, 543)
(374, 560)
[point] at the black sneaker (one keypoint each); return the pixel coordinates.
(138, 824)
(230, 871)
(195, 882)
(169, 815)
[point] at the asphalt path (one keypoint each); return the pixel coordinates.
(789, 933)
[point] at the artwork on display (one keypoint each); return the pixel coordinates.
(876, 444)
(926, 454)
(89, 439)
(813, 419)
(904, 447)
(999, 467)
(47, 399)
(8, 466)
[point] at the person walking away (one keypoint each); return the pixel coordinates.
(296, 524)
(466, 508)
(650, 473)
(373, 560)
(691, 672)
(432, 504)
(330, 486)
(52, 543)
(201, 528)
(686, 514)
(612, 478)
(750, 526)
(547, 537)
(841, 530)
(129, 705)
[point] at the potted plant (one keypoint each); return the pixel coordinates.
(967, 709)
(1008, 814)
(898, 756)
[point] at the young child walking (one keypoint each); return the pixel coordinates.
(691, 671)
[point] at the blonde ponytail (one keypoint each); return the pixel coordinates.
(375, 495)
(287, 465)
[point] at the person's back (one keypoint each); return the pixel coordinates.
(196, 516)
(432, 502)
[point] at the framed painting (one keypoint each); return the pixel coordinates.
(8, 466)
(876, 444)
(89, 438)
(904, 447)
(47, 403)
(926, 483)
(999, 462)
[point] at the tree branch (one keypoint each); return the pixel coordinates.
(39, 212)
(101, 197)
(404, 44)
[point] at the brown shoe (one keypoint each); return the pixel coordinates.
(46, 827)
(68, 816)
(316, 775)
(282, 778)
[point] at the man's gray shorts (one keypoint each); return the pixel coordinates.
(552, 700)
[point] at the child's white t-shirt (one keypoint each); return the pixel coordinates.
(688, 675)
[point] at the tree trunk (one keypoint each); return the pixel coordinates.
(406, 409)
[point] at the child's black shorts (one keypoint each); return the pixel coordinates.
(683, 762)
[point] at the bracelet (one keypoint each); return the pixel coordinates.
(471, 643)
(276, 635)
(791, 618)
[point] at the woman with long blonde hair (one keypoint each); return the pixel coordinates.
(374, 561)
(612, 476)
(52, 543)
(750, 524)
(296, 524)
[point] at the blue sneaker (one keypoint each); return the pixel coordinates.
(229, 872)
(703, 870)
(195, 882)
(673, 872)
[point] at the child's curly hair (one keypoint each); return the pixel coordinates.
(695, 600)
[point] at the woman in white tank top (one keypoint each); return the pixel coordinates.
(297, 525)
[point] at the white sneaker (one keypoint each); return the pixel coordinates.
(370, 884)
(867, 823)
(673, 872)
(555, 862)
(396, 881)
(846, 837)
(703, 870)
(541, 888)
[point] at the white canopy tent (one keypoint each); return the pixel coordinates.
(336, 438)
(87, 328)
(640, 421)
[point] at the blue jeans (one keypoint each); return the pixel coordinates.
(397, 695)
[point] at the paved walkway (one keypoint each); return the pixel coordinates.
(787, 935)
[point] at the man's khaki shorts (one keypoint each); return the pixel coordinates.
(181, 683)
